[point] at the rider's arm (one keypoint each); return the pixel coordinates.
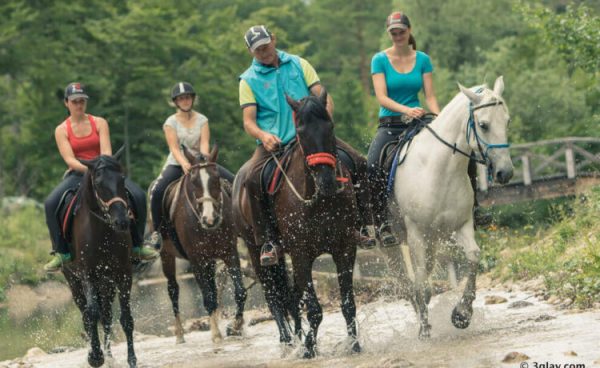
(205, 140)
(104, 133)
(64, 147)
(269, 141)
(430, 99)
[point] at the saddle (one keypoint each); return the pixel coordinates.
(271, 174)
(392, 154)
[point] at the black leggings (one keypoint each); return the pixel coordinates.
(71, 181)
(377, 175)
(166, 177)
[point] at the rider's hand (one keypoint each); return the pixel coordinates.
(415, 112)
(270, 142)
(186, 166)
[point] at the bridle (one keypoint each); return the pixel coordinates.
(199, 201)
(105, 205)
(472, 129)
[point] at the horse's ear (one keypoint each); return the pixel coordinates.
(499, 86)
(117, 155)
(293, 103)
(88, 163)
(214, 153)
(323, 96)
(191, 159)
(474, 97)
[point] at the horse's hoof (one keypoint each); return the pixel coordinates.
(425, 332)
(355, 347)
(460, 320)
(232, 331)
(309, 354)
(132, 362)
(179, 340)
(95, 359)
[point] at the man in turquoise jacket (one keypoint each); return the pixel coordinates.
(268, 118)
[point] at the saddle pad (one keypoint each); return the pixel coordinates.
(390, 157)
(65, 212)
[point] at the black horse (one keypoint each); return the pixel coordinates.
(101, 245)
(316, 213)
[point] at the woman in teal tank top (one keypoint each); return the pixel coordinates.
(399, 73)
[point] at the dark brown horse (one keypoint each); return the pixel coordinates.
(101, 245)
(200, 215)
(316, 213)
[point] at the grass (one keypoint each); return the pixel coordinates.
(557, 240)
(24, 247)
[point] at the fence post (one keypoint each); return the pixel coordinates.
(482, 181)
(570, 157)
(526, 170)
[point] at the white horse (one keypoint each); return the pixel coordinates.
(433, 199)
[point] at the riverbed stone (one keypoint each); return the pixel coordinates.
(520, 304)
(495, 299)
(515, 357)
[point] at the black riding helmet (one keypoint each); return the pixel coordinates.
(182, 88)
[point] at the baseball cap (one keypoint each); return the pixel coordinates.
(75, 90)
(257, 36)
(397, 20)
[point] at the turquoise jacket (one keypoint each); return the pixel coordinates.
(269, 86)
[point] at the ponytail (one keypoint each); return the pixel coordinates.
(412, 41)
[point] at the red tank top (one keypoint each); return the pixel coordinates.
(85, 148)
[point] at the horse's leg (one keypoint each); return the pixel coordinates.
(304, 287)
(91, 315)
(105, 301)
(462, 313)
(126, 318)
(233, 267)
(292, 303)
(344, 263)
(169, 270)
(204, 272)
(267, 278)
(418, 246)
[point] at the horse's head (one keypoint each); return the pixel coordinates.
(314, 129)
(206, 199)
(108, 185)
(487, 129)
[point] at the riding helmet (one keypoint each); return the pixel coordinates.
(182, 88)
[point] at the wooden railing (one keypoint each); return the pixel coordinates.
(546, 168)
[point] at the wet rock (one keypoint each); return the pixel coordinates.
(197, 324)
(34, 353)
(514, 357)
(261, 319)
(553, 299)
(571, 353)
(544, 317)
(495, 299)
(389, 363)
(61, 349)
(520, 304)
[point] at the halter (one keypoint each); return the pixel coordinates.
(478, 139)
(198, 201)
(105, 206)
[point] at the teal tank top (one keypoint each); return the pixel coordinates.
(401, 87)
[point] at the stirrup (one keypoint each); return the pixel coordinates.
(269, 254)
(367, 241)
(386, 237)
(154, 241)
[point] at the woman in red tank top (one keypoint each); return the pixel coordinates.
(83, 136)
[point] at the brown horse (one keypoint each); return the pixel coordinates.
(200, 209)
(315, 214)
(101, 245)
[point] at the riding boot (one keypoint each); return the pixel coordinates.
(380, 208)
(480, 218)
(265, 232)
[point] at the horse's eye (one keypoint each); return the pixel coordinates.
(484, 126)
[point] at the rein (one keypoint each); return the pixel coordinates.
(484, 160)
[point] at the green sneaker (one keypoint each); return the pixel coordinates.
(57, 261)
(145, 253)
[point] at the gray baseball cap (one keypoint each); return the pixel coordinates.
(75, 90)
(257, 36)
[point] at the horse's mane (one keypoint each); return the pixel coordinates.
(105, 161)
(312, 108)
(460, 100)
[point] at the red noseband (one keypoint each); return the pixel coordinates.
(321, 158)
